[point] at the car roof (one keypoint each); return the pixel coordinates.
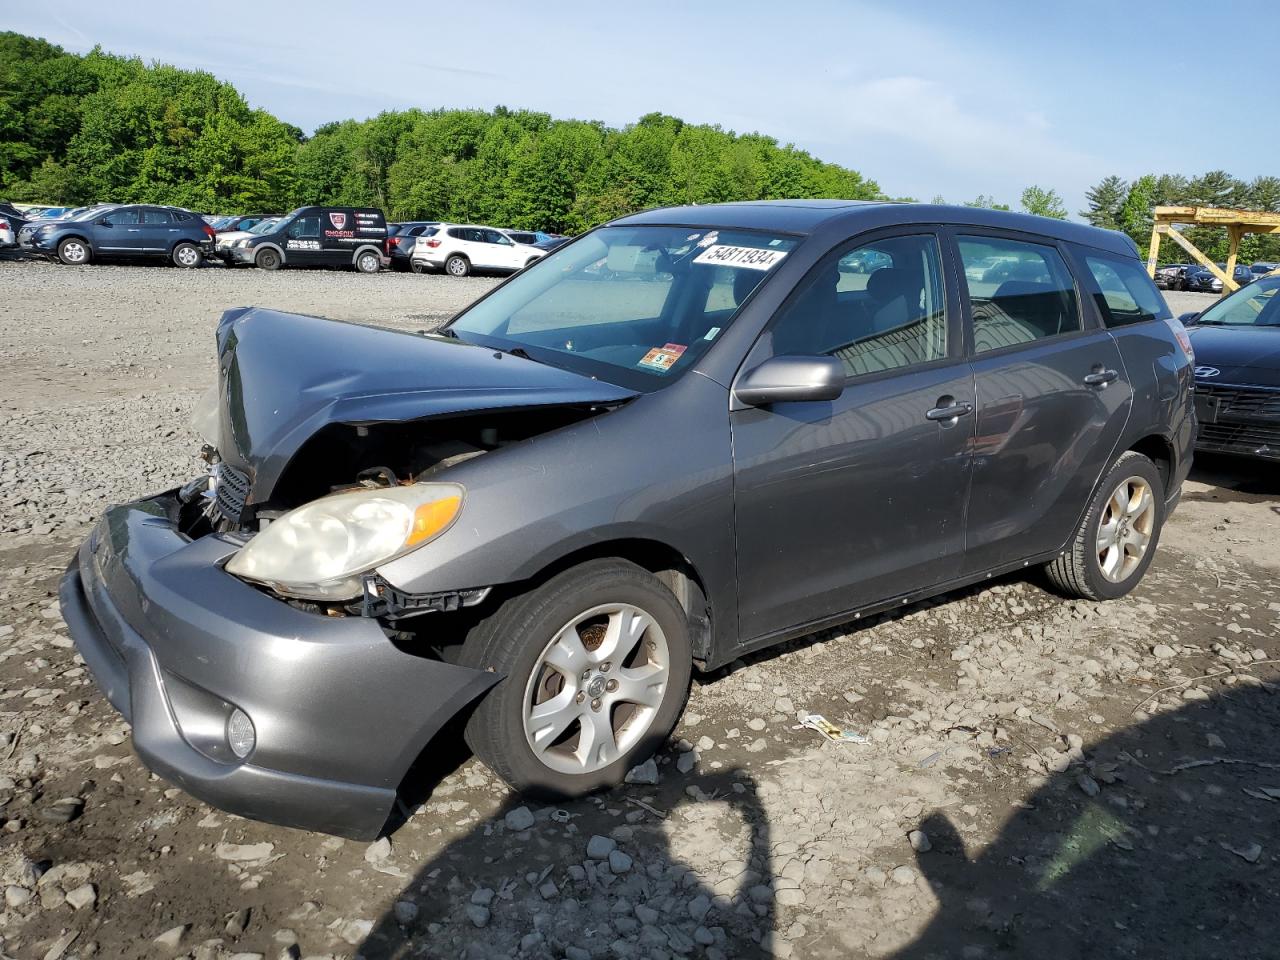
(809, 216)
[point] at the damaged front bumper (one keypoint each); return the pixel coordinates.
(177, 645)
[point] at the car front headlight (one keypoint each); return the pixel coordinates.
(320, 551)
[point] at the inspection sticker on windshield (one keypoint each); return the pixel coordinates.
(662, 358)
(752, 258)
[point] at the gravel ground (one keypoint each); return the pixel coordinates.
(1042, 778)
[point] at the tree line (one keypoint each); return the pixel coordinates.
(96, 127)
(1126, 205)
(77, 129)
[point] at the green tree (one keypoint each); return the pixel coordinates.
(1043, 203)
(1105, 200)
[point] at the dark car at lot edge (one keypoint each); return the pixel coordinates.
(124, 231)
(686, 435)
(400, 239)
(319, 236)
(1170, 276)
(1237, 348)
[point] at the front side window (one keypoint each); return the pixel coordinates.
(1125, 293)
(876, 307)
(1256, 305)
(633, 305)
(305, 227)
(1018, 292)
(126, 217)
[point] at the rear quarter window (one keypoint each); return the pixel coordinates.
(1125, 293)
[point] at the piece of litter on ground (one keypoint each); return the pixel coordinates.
(816, 721)
(930, 760)
(1249, 852)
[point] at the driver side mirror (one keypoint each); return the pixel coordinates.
(791, 380)
(1187, 319)
(104, 222)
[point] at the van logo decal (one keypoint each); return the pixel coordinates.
(339, 220)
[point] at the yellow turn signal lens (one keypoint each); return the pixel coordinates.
(432, 518)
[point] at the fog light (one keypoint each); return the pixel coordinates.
(240, 735)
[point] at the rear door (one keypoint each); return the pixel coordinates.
(845, 503)
(159, 230)
(1052, 397)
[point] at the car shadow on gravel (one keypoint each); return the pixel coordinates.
(1246, 476)
(1165, 844)
(502, 891)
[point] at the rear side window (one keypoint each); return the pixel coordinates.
(156, 216)
(1125, 293)
(1019, 292)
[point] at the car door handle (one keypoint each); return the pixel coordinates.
(949, 412)
(1100, 378)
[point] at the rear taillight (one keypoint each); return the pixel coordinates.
(433, 243)
(209, 232)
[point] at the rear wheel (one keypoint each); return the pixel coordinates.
(1117, 539)
(596, 665)
(73, 251)
(457, 266)
(368, 262)
(187, 255)
(267, 260)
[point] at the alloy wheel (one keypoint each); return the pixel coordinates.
(1125, 528)
(596, 688)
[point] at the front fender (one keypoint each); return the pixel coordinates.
(657, 469)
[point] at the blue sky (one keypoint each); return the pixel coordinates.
(927, 97)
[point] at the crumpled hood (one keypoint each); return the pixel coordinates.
(284, 376)
(1241, 355)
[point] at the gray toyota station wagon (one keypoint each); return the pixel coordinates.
(688, 434)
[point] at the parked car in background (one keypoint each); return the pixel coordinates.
(226, 240)
(242, 223)
(1169, 277)
(11, 223)
(400, 240)
(458, 249)
(52, 213)
(123, 231)
(541, 518)
(319, 237)
(1263, 267)
(1237, 346)
(552, 243)
(1203, 281)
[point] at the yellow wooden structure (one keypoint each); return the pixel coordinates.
(1236, 222)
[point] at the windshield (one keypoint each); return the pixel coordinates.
(1253, 306)
(636, 306)
(264, 226)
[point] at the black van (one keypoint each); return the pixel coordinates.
(320, 237)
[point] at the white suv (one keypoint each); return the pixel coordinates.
(457, 250)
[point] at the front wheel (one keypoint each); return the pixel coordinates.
(73, 251)
(187, 255)
(1117, 539)
(267, 260)
(596, 666)
(368, 262)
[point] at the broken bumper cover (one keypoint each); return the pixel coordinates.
(177, 644)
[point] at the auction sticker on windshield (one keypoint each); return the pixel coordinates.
(753, 258)
(662, 358)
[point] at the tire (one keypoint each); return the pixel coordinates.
(73, 251)
(417, 266)
(457, 266)
(561, 619)
(187, 255)
(1090, 568)
(267, 260)
(368, 262)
